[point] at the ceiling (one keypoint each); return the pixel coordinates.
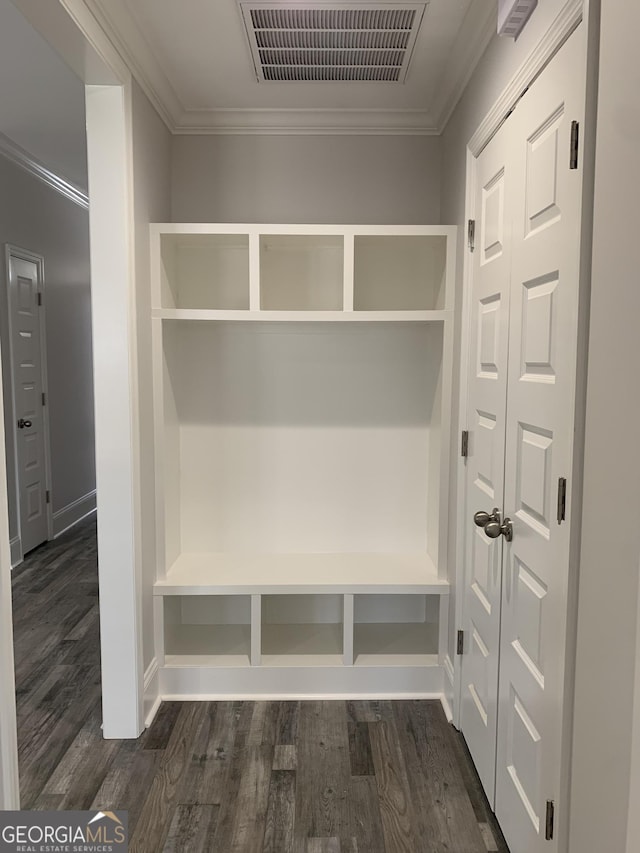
(194, 60)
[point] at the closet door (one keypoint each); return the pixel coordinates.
(489, 335)
(543, 322)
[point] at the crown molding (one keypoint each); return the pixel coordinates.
(478, 28)
(17, 155)
(307, 122)
(121, 29)
(564, 24)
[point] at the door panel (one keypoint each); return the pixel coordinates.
(485, 464)
(26, 355)
(525, 288)
(539, 440)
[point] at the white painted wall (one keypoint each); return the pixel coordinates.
(606, 769)
(35, 217)
(307, 179)
(152, 203)
(499, 64)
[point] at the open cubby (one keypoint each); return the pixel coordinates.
(206, 271)
(301, 272)
(209, 629)
(281, 439)
(294, 626)
(399, 272)
(394, 628)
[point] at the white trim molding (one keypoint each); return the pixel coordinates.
(152, 697)
(22, 158)
(67, 517)
(15, 546)
(565, 23)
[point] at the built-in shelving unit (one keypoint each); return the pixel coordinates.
(302, 399)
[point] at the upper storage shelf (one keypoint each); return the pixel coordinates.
(302, 272)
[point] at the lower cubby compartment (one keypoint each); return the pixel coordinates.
(207, 630)
(395, 630)
(302, 630)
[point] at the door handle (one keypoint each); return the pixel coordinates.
(481, 518)
(22, 424)
(494, 529)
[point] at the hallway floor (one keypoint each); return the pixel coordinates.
(228, 777)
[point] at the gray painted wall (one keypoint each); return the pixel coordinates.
(37, 218)
(151, 188)
(313, 179)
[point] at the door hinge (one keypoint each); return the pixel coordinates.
(562, 499)
(460, 643)
(39, 297)
(548, 824)
(575, 139)
(464, 443)
(44, 399)
(471, 233)
(48, 496)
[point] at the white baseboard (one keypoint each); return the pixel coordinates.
(152, 698)
(449, 687)
(300, 682)
(72, 513)
(16, 551)
(448, 670)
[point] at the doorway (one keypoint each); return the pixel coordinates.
(520, 474)
(27, 347)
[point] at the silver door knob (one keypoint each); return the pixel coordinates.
(22, 424)
(494, 529)
(482, 518)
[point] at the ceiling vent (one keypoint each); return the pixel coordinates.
(513, 15)
(332, 42)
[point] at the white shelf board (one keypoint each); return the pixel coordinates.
(257, 574)
(235, 661)
(205, 314)
(396, 660)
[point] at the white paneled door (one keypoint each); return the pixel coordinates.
(489, 339)
(25, 296)
(523, 636)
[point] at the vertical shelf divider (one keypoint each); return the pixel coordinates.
(256, 630)
(347, 298)
(347, 620)
(254, 271)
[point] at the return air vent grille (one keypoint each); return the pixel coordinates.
(330, 42)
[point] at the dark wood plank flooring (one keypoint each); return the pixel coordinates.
(233, 777)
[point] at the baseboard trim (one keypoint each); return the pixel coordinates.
(152, 699)
(67, 517)
(448, 670)
(15, 546)
(446, 707)
(301, 682)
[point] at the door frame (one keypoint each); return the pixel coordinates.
(12, 251)
(569, 18)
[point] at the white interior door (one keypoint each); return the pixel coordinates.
(521, 420)
(25, 289)
(489, 338)
(539, 449)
